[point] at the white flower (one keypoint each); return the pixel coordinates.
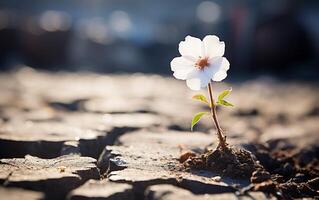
(200, 61)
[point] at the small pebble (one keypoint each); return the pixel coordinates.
(61, 169)
(216, 178)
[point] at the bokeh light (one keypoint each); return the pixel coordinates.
(208, 11)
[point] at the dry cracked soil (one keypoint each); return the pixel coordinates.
(117, 137)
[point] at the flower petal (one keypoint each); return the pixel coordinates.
(194, 83)
(181, 67)
(191, 47)
(197, 79)
(217, 69)
(181, 74)
(213, 47)
(181, 63)
(219, 76)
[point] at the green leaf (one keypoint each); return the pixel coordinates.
(224, 103)
(221, 97)
(197, 117)
(223, 94)
(201, 98)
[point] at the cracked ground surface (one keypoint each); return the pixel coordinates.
(89, 136)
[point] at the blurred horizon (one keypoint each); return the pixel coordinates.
(278, 38)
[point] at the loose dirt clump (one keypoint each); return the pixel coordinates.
(288, 172)
(230, 161)
(283, 171)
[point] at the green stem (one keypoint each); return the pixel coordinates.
(221, 137)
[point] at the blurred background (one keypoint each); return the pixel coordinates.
(271, 37)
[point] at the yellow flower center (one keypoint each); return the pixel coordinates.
(202, 63)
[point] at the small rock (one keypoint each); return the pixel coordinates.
(266, 186)
(278, 178)
(19, 194)
(184, 156)
(102, 189)
(55, 177)
(217, 178)
(45, 139)
(170, 192)
(259, 176)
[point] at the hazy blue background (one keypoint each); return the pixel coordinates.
(270, 37)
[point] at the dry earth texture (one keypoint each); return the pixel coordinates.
(89, 136)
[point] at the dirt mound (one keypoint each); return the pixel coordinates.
(232, 162)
